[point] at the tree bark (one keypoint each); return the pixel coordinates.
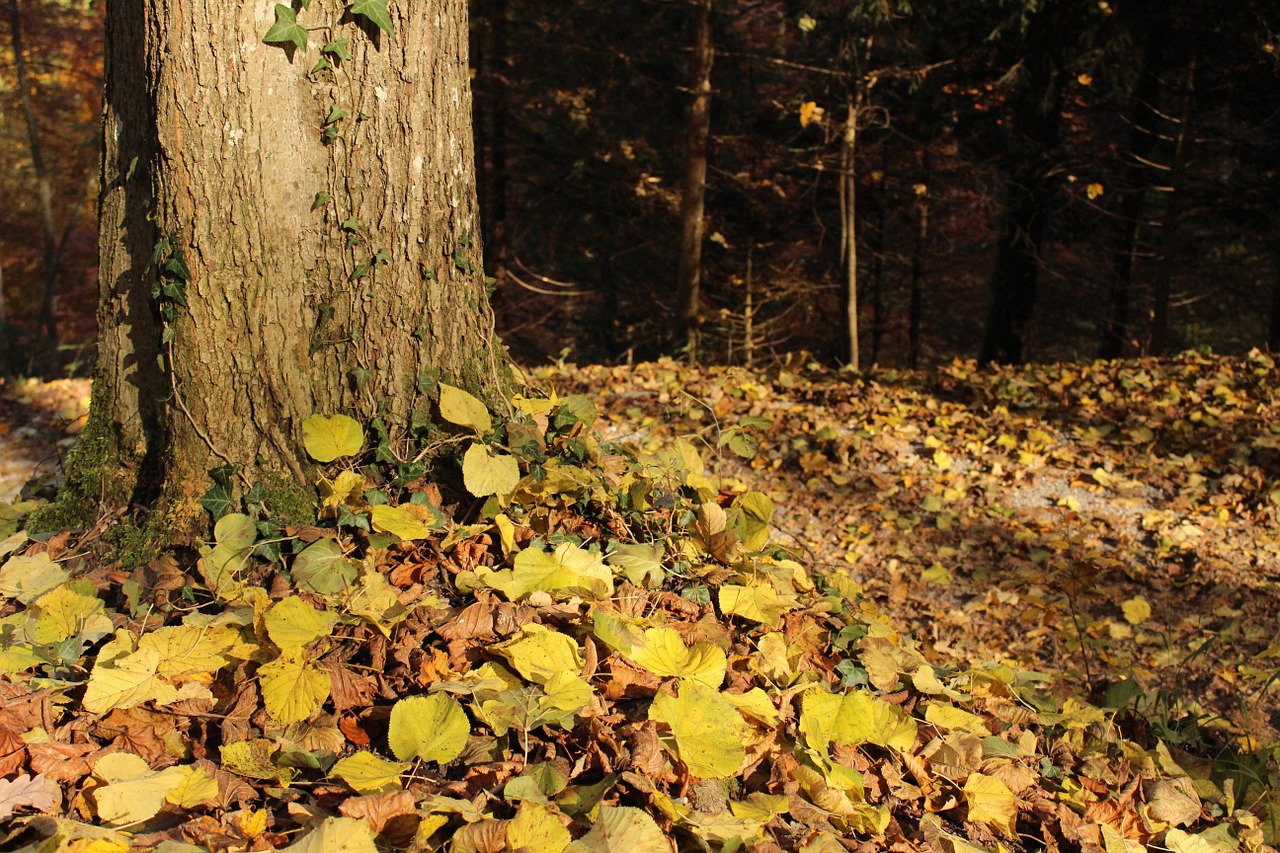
(693, 190)
(849, 231)
(1029, 191)
(262, 261)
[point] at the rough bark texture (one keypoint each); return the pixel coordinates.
(215, 143)
(849, 232)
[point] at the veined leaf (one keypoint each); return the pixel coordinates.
(665, 654)
(537, 830)
(336, 835)
(622, 828)
(487, 473)
(991, 802)
(366, 773)
(540, 653)
(428, 728)
(708, 730)
(376, 12)
(459, 407)
(569, 570)
(399, 521)
(327, 438)
(286, 29)
(292, 690)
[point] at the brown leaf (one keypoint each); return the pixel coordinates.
(382, 810)
(63, 762)
(347, 688)
(472, 622)
(38, 794)
(13, 749)
(486, 836)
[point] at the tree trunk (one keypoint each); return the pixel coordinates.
(1141, 145)
(1029, 191)
(1162, 281)
(849, 231)
(491, 86)
(693, 191)
(47, 324)
(916, 311)
(276, 242)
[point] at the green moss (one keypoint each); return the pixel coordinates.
(288, 502)
(137, 545)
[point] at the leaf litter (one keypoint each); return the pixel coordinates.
(979, 610)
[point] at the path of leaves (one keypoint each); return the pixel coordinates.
(618, 652)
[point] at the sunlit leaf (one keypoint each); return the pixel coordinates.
(375, 11)
(991, 802)
(399, 521)
(28, 578)
(336, 835)
(487, 473)
(709, 733)
(367, 773)
(459, 407)
(540, 653)
(286, 29)
(664, 653)
(428, 728)
(327, 438)
(537, 830)
(622, 829)
(291, 689)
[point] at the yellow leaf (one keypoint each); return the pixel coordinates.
(196, 789)
(459, 407)
(810, 112)
(664, 653)
(1136, 610)
(619, 829)
(28, 578)
(1093, 190)
(951, 718)
(346, 488)
(292, 623)
(487, 473)
(428, 728)
(566, 572)
(336, 835)
(138, 799)
(325, 439)
(399, 521)
(127, 683)
(854, 719)
(366, 773)
(537, 830)
(540, 653)
(292, 690)
(708, 731)
(756, 704)
(991, 802)
(65, 613)
(758, 602)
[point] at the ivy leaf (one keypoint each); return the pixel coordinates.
(286, 29)
(337, 49)
(428, 728)
(376, 12)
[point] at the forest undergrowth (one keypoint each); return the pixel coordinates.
(1012, 609)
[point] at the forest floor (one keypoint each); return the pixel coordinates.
(980, 547)
(1117, 524)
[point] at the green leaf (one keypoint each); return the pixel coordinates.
(376, 12)
(337, 49)
(322, 568)
(708, 730)
(487, 473)
(428, 728)
(459, 407)
(286, 29)
(328, 438)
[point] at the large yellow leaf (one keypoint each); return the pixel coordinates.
(708, 730)
(292, 690)
(567, 571)
(367, 773)
(459, 407)
(196, 789)
(428, 728)
(854, 719)
(325, 439)
(190, 652)
(66, 612)
(536, 830)
(127, 683)
(292, 623)
(399, 521)
(540, 653)
(336, 835)
(758, 602)
(991, 802)
(487, 473)
(665, 654)
(137, 799)
(28, 578)
(622, 829)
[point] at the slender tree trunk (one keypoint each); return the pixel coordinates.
(1273, 326)
(1117, 331)
(48, 326)
(1162, 282)
(916, 311)
(1029, 193)
(879, 318)
(262, 260)
(693, 189)
(849, 231)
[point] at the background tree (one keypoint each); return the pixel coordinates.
(288, 228)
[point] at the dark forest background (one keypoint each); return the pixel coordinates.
(745, 181)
